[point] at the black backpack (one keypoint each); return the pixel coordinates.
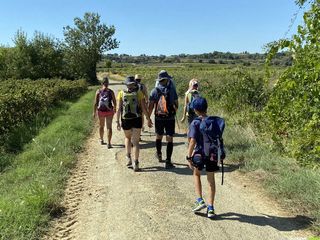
(105, 101)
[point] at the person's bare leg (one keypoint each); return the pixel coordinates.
(102, 122)
(212, 187)
(109, 128)
(127, 142)
(135, 141)
(197, 182)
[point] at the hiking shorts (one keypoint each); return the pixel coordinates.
(211, 166)
(165, 126)
(128, 124)
(105, 114)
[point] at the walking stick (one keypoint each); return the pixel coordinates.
(178, 123)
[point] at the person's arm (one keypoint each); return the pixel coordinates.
(114, 101)
(184, 112)
(145, 111)
(119, 111)
(145, 93)
(95, 104)
(151, 102)
(192, 144)
(176, 102)
(176, 105)
(150, 107)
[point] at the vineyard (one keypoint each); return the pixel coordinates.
(259, 96)
(22, 101)
(247, 97)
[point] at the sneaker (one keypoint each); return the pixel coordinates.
(159, 157)
(135, 166)
(210, 212)
(129, 161)
(101, 142)
(109, 146)
(168, 165)
(199, 205)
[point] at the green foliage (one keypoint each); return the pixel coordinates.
(293, 112)
(22, 100)
(242, 92)
(39, 57)
(85, 43)
(31, 190)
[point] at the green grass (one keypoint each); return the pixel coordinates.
(297, 188)
(32, 188)
(20, 136)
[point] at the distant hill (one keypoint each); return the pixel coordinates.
(245, 58)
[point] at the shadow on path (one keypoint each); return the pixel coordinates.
(280, 223)
(152, 144)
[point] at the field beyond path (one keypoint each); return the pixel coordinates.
(106, 200)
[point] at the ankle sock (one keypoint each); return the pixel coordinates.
(199, 199)
(210, 207)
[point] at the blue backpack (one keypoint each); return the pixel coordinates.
(212, 129)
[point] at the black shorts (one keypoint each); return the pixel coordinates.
(211, 166)
(165, 127)
(128, 124)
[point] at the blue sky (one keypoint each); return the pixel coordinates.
(156, 27)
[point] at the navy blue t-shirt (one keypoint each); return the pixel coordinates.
(194, 132)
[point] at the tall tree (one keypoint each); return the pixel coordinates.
(85, 44)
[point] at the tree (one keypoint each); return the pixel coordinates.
(46, 56)
(22, 65)
(85, 44)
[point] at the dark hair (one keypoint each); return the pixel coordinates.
(105, 81)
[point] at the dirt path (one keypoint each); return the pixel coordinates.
(106, 200)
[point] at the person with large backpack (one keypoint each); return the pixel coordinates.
(163, 100)
(192, 93)
(131, 106)
(143, 89)
(205, 151)
(105, 105)
(170, 79)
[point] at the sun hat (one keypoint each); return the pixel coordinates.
(199, 104)
(137, 77)
(195, 83)
(130, 80)
(162, 75)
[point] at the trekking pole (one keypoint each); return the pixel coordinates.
(222, 172)
(221, 161)
(178, 123)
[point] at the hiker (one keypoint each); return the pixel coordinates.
(105, 105)
(192, 93)
(170, 79)
(143, 89)
(164, 100)
(205, 151)
(131, 105)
